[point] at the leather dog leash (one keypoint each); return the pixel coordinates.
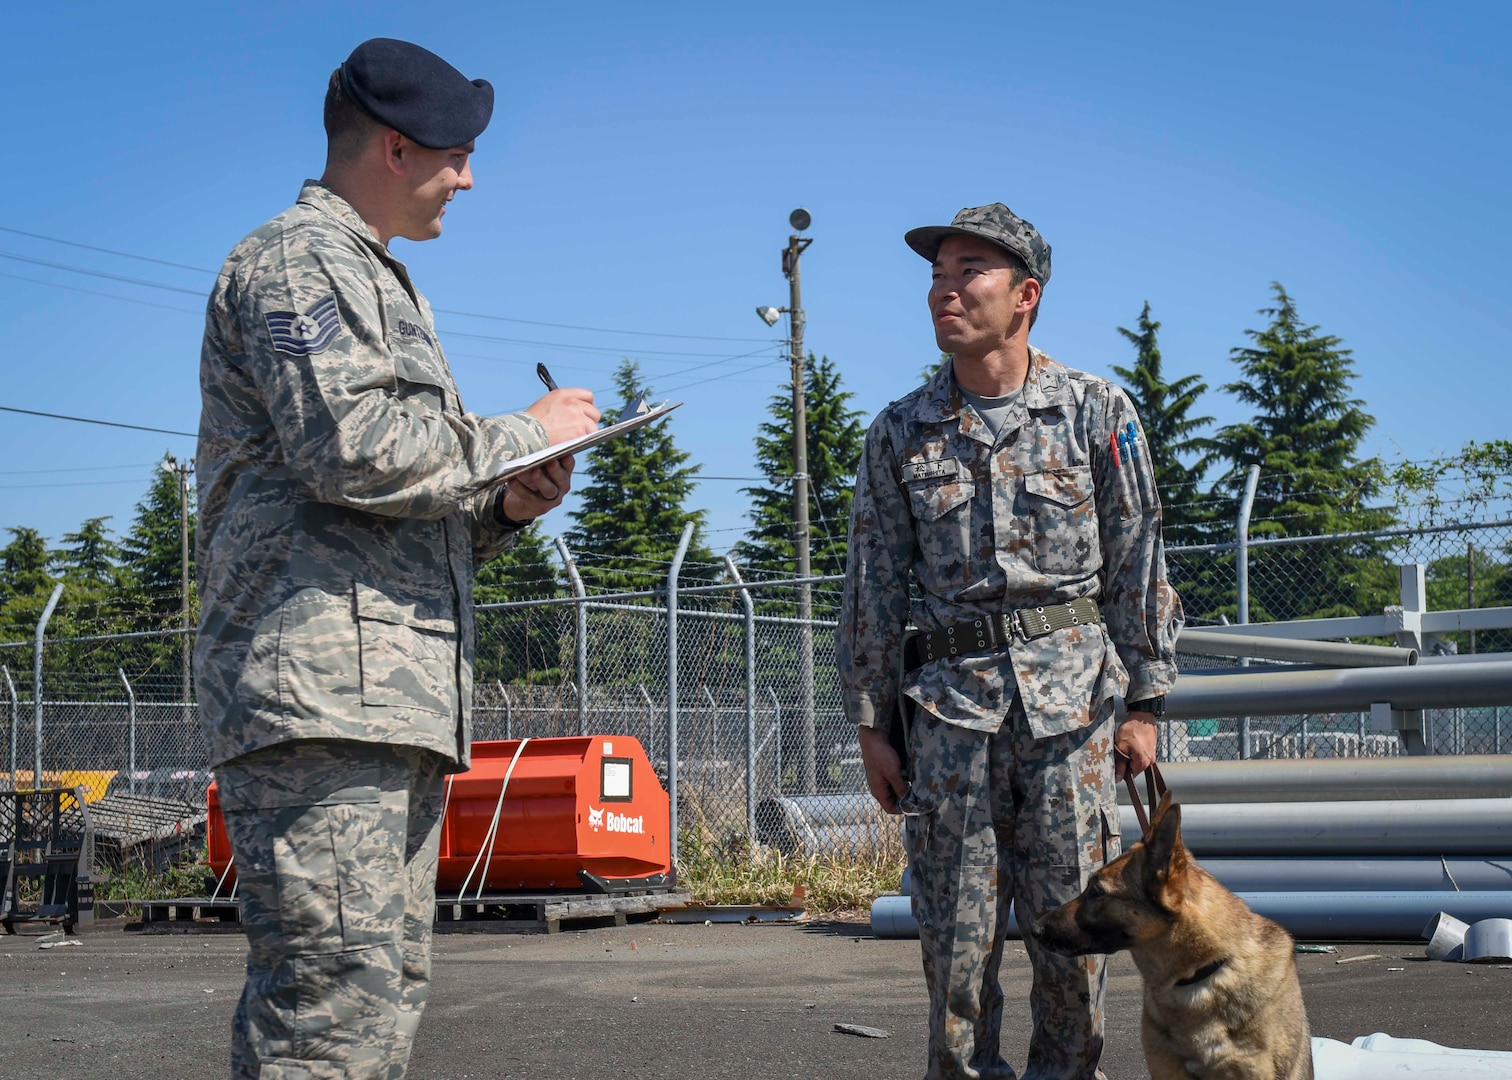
(1155, 785)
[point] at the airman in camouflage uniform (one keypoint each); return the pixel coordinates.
(1031, 496)
(342, 515)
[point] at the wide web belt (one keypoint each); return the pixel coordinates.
(995, 633)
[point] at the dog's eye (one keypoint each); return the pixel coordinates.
(1095, 887)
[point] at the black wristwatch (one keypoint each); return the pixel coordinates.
(1155, 706)
(504, 519)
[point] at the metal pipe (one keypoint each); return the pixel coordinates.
(1292, 693)
(47, 613)
(677, 561)
(1241, 541)
(1478, 827)
(508, 709)
(15, 712)
(777, 727)
(1337, 916)
(1337, 779)
(581, 632)
(650, 720)
(1383, 874)
(1337, 653)
(131, 769)
(750, 697)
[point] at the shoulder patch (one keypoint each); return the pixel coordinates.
(308, 333)
(931, 470)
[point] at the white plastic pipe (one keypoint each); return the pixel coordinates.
(1379, 1057)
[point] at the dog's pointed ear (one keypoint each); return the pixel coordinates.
(1165, 861)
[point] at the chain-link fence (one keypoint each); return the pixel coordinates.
(714, 678)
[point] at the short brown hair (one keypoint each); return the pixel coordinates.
(348, 125)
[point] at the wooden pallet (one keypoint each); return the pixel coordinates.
(190, 914)
(507, 913)
(550, 913)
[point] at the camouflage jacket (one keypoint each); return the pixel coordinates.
(339, 518)
(1039, 515)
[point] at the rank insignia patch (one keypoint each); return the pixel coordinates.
(307, 334)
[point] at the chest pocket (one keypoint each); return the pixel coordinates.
(939, 497)
(1062, 513)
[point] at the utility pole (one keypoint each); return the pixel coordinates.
(182, 470)
(796, 245)
(800, 220)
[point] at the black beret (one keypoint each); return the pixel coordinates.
(418, 94)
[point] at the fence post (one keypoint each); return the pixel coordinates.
(777, 726)
(508, 709)
(750, 696)
(650, 721)
(47, 612)
(1411, 729)
(131, 769)
(580, 631)
(1241, 580)
(677, 561)
(15, 716)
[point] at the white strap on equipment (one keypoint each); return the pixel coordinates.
(485, 851)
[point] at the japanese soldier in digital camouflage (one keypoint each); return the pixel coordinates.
(1007, 510)
(341, 520)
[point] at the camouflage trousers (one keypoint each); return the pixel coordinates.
(994, 820)
(336, 846)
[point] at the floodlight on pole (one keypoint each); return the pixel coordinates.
(770, 315)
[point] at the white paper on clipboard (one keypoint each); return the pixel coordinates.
(519, 465)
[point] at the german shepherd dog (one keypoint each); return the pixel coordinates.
(1221, 998)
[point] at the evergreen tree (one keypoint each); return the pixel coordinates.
(836, 437)
(150, 551)
(1178, 451)
(23, 564)
(1305, 436)
(89, 556)
(525, 644)
(633, 508)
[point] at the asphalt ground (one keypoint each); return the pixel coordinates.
(649, 1001)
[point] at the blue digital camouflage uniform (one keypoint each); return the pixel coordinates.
(1011, 795)
(340, 520)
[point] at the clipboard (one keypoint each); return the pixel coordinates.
(515, 466)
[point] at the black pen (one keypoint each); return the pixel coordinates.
(546, 377)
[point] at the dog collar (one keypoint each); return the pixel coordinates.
(1204, 972)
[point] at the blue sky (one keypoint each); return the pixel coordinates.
(643, 159)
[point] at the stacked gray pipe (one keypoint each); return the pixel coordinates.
(1342, 849)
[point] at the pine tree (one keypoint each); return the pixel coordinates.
(1305, 436)
(836, 437)
(89, 556)
(633, 507)
(517, 645)
(23, 564)
(1179, 452)
(150, 551)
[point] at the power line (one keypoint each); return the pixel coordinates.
(96, 292)
(442, 311)
(102, 423)
(68, 483)
(106, 251)
(101, 274)
(590, 329)
(78, 468)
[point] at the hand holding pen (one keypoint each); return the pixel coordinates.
(565, 414)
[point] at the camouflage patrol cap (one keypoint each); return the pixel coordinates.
(418, 94)
(996, 223)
